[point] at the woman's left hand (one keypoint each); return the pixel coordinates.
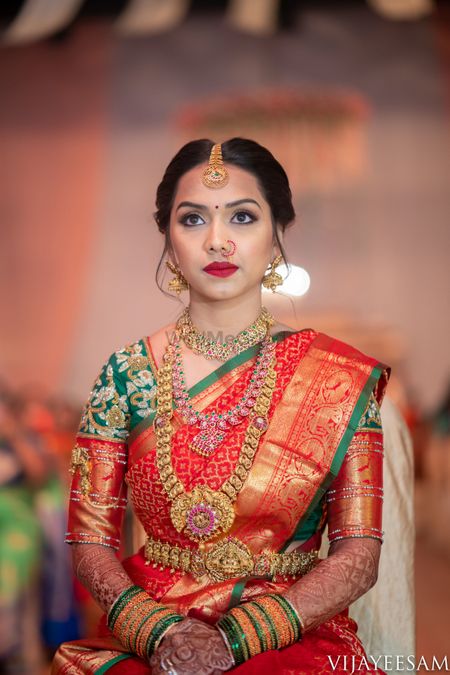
(191, 648)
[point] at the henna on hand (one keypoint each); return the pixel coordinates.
(349, 571)
(99, 570)
(192, 648)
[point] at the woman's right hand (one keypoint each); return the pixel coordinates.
(191, 647)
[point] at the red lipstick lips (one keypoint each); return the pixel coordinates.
(220, 269)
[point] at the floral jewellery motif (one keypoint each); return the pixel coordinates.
(200, 343)
(215, 175)
(204, 513)
(214, 426)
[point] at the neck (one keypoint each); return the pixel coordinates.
(225, 317)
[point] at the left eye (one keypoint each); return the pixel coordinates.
(243, 217)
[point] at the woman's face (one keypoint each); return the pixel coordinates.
(204, 220)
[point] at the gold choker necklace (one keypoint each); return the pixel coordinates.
(203, 344)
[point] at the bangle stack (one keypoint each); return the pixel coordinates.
(139, 622)
(270, 622)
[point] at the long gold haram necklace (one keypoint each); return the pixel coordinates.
(204, 513)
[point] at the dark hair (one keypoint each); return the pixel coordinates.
(241, 152)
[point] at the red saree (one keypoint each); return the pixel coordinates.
(324, 389)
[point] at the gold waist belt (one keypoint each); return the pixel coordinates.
(229, 559)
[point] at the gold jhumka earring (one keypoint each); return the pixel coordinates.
(215, 175)
(273, 279)
(178, 283)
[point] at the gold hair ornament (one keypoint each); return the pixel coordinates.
(215, 175)
(273, 279)
(178, 283)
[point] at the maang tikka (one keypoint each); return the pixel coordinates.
(273, 279)
(178, 283)
(215, 175)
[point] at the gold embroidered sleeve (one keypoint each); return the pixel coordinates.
(355, 498)
(99, 461)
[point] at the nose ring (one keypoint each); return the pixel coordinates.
(231, 250)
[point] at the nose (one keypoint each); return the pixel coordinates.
(216, 236)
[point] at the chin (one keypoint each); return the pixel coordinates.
(218, 292)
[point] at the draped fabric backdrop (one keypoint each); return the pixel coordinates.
(52, 143)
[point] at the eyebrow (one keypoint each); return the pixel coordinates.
(193, 205)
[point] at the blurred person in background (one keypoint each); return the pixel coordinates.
(51, 428)
(23, 471)
(36, 602)
(239, 440)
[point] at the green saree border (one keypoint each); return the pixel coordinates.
(232, 363)
(111, 663)
(203, 384)
(339, 454)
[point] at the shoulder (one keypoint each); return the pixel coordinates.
(343, 351)
(130, 358)
(355, 362)
(125, 382)
(129, 364)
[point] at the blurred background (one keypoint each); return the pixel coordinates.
(353, 97)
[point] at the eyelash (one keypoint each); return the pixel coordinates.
(186, 217)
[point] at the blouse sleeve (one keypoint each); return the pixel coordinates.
(355, 498)
(99, 461)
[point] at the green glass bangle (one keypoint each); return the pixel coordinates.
(163, 635)
(231, 638)
(137, 633)
(254, 621)
(241, 637)
(239, 643)
(158, 631)
(236, 638)
(290, 613)
(227, 644)
(129, 627)
(156, 610)
(270, 624)
(120, 603)
(298, 618)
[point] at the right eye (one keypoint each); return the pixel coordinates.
(191, 219)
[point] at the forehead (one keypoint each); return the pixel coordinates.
(241, 184)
